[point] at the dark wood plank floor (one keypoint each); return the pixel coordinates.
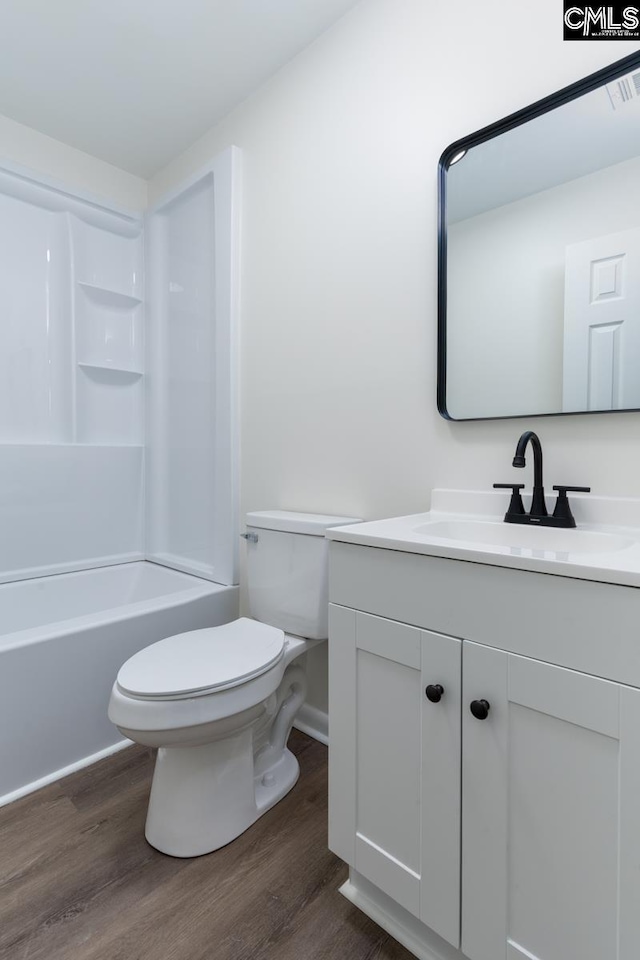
(79, 882)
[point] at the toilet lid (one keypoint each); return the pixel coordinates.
(202, 661)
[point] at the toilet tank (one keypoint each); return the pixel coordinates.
(287, 570)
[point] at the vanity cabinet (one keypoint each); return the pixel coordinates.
(551, 812)
(511, 832)
(395, 772)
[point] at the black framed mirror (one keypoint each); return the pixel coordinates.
(539, 257)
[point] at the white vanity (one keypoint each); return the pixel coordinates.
(511, 832)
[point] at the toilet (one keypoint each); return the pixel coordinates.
(219, 703)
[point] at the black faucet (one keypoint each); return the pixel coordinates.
(538, 505)
(562, 516)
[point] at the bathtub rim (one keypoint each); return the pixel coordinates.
(109, 615)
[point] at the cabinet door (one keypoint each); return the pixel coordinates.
(551, 813)
(394, 762)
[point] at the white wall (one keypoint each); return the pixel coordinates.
(70, 167)
(339, 258)
(506, 286)
(339, 262)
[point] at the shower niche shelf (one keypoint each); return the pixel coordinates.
(100, 369)
(106, 297)
(109, 353)
(109, 405)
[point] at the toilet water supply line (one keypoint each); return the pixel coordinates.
(291, 696)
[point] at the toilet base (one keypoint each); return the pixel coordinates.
(206, 792)
(276, 782)
(203, 797)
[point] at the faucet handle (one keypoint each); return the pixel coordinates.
(566, 490)
(563, 510)
(516, 506)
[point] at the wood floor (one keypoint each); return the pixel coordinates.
(79, 882)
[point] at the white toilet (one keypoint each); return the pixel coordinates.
(219, 703)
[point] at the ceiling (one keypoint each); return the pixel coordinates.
(135, 82)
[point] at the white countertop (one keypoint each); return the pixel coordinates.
(469, 525)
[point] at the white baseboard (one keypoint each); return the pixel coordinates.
(402, 925)
(63, 772)
(309, 720)
(313, 722)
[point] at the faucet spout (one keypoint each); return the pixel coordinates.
(538, 505)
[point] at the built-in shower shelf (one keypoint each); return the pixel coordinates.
(105, 297)
(98, 370)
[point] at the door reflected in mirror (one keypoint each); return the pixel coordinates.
(539, 300)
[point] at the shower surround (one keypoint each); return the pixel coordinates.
(117, 448)
(71, 382)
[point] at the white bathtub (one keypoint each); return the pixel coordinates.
(62, 641)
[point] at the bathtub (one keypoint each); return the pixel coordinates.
(62, 641)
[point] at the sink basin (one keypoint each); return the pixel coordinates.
(527, 538)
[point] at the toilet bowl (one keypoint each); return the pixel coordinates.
(219, 703)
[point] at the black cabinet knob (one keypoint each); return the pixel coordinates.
(434, 692)
(480, 709)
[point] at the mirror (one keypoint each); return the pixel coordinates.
(539, 257)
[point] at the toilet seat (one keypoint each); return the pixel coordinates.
(202, 662)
